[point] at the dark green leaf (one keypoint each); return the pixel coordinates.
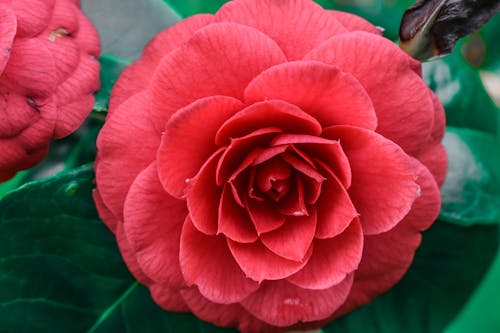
(187, 8)
(61, 270)
(125, 26)
(471, 193)
(448, 266)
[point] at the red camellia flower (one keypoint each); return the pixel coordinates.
(271, 166)
(48, 73)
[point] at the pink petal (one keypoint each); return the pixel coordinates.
(188, 140)
(70, 116)
(207, 262)
(32, 15)
(259, 264)
(104, 213)
(293, 240)
(335, 209)
(281, 303)
(137, 76)
(153, 222)
(435, 159)
(387, 256)
(198, 63)
(297, 26)
(271, 171)
(383, 181)
(203, 197)
(323, 91)
(168, 298)
(354, 22)
(66, 55)
(234, 221)
(8, 28)
(332, 260)
(31, 69)
(121, 155)
(269, 113)
(264, 215)
(224, 315)
(328, 151)
(64, 16)
(439, 125)
(238, 151)
(86, 36)
(293, 204)
(403, 106)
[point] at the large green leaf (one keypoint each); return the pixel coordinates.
(187, 8)
(448, 266)
(471, 193)
(61, 270)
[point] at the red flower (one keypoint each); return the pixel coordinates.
(270, 166)
(48, 73)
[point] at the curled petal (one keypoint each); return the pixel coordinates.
(354, 22)
(8, 28)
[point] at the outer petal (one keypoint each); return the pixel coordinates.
(168, 298)
(224, 315)
(297, 26)
(387, 256)
(189, 140)
(261, 264)
(435, 159)
(403, 106)
(198, 63)
(137, 76)
(121, 156)
(153, 222)
(207, 262)
(8, 28)
(86, 36)
(332, 260)
(326, 93)
(294, 238)
(32, 15)
(383, 181)
(281, 303)
(268, 113)
(354, 22)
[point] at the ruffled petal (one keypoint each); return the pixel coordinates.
(189, 140)
(383, 181)
(121, 155)
(33, 16)
(354, 22)
(153, 222)
(323, 91)
(207, 262)
(198, 63)
(168, 298)
(293, 239)
(259, 264)
(332, 260)
(281, 303)
(269, 113)
(297, 26)
(8, 28)
(436, 160)
(403, 106)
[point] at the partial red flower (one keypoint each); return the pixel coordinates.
(48, 74)
(271, 166)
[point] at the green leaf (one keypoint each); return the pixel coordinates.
(111, 68)
(447, 267)
(125, 26)
(471, 193)
(187, 8)
(61, 270)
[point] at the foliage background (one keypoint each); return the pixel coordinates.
(60, 270)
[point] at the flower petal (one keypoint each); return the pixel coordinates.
(32, 15)
(198, 63)
(119, 163)
(354, 22)
(153, 222)
(188, 140)
(435, 159)
(323, 91)
(207, 262)
(269, 113)
(383, 181)
(8, 28)
(293, 239)
(332, 260)
(203, 197)
(264, 215)
(403, 106)
(168, 298)
(297, 26)
(281, 303)
(234, 221)
(259, 264)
